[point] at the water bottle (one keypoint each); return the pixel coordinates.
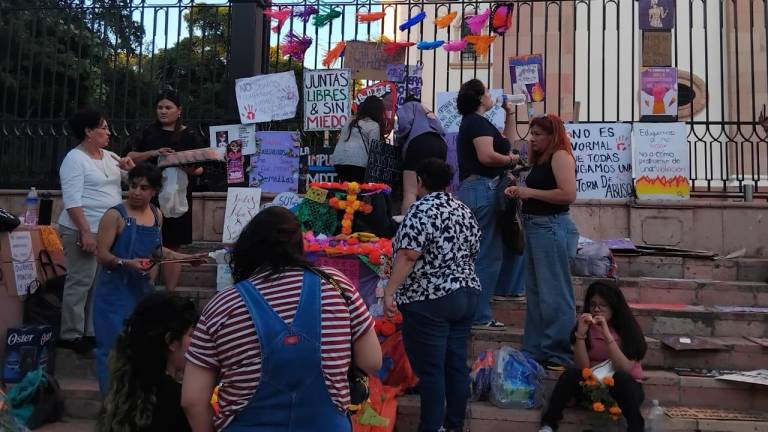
(514, 99)
(655, 420)
(32, 201)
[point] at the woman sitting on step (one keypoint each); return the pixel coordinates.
(606, 331)
(145, 367)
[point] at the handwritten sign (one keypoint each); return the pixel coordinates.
(527, 76)
(658, 91)
(264, 98)
(661, 161)
(25, 274)
(603, 160)
(387, 91)
(315, 164)
(326, 99)
(287, 200)
(21, 246)
(242, 206)
(221, 136)
(369, 61)
(408, 80)
(448, 113)
(276, 167)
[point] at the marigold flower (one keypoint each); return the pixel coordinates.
(614, 410)
(608, 381)
(598, 407)
(586, 373)
(615, 417)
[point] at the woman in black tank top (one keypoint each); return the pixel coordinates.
(551, 238)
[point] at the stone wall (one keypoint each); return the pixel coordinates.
(718, 226)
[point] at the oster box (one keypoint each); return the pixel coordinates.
(27, 348)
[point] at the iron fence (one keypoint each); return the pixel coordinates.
(60, 55)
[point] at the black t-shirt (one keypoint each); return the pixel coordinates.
(168, 414)
(154, 138)
(474, 126)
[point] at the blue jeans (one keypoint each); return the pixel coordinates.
(435, 336)
(479, 194)
(550, 244)
(512, 275)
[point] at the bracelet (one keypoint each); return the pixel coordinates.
(580, 337)
(611, 341)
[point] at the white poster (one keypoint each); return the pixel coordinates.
(21, 246)
(242, 206)
(661, 167)
(223, 277)
(327, 99)
(603, 154)
(25, 273)
(224, 135)
(264, 98)
(450, 118)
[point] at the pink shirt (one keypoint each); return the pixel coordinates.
(598, 350)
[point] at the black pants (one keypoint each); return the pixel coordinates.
(627, 393)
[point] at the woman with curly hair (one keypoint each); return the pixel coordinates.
(146, 365)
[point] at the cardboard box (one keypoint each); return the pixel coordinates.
(20, 255)
(26, 349)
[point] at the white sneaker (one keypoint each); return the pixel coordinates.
(546, 429)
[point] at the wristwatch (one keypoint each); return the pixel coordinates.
(119, 262)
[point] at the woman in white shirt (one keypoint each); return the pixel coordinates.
(350, 157)
(90, 184)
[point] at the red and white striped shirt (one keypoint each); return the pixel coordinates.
(225, 338)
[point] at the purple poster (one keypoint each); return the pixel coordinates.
(527, 76)
(275, 168)
(409, 81)
(657, 14)
(452, 159)
(658, 91)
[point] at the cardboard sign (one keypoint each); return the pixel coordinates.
(25, 273)
(657, 48)
(603, 160)
(408, 80)
(527, 75)
(242, 206)
(264, 98)
(759, 376)
(661, 167)
(387, 91)
(656, 14)
(448, 113)
(658, 92)
(221, 136)
(21, 246)
(369, 61)
(326, 99)
(276, 167)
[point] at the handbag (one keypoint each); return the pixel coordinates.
(36, 400)
(602, 370)
(359, 388)
(509, 218)
(43, 305)
(8, 222)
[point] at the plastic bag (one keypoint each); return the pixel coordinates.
(480, 376)
(173, 195)
(516, 380)
(594, 259)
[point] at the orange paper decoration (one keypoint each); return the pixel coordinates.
(333, 54)
(482, 43)
(370, 17)
(445, 20)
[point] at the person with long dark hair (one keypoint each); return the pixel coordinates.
(129, 236)
(280, 341)
(551, 240)
(434, 285)
(90, 184)
(607, 330)
(350, 157)
(483, 155)
(166, 135)
(146, 365)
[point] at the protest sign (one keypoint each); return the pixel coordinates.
(387, 91)
(326, 99)
(452, 159)
(603, 159)
(315, 164)
(264, 98)
(368, 61)
(448, 113)
(221, 136)
(242, 206)
(408, 80)
(527, 75)
(275, 168)
(658, 92)
(235, 162)
(661, 167)
(656, 14)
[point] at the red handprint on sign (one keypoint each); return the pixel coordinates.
(250, 112)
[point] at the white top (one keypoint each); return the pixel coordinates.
(91, 184)
(352, 150)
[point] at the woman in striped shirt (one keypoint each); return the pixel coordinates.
(280, 341)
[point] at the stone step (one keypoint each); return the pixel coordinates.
(69, 425)
(484, 417)
(72, 365)
(742, 354)
(670, 319)
(740, 269)
(82, 398)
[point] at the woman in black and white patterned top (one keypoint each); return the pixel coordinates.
(434, 285)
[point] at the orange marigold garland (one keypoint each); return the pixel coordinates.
(597, 395)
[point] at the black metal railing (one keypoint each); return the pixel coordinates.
(61, 55)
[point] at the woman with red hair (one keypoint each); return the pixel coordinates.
(551, 238)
